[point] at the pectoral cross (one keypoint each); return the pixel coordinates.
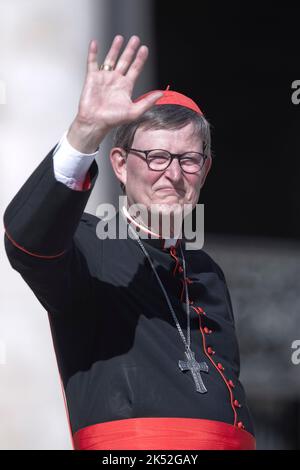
(195, 367)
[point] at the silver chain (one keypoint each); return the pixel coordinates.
(188, 341)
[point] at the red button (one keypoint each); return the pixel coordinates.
(240, 425)
(180, 269)
(237, 404)
(231, 384)
(210, 350)
(220, 366)
(207, 330)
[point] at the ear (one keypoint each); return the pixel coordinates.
(118, 162)
(205, 170)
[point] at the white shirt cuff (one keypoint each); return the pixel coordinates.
(70, 165)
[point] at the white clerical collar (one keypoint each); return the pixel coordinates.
(165, 242)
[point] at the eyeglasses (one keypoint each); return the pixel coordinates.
(159, 160)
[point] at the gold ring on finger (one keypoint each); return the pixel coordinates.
(106, 67)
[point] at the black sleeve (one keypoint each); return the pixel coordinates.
(49, 240)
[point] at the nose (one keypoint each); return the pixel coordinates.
(174, 171)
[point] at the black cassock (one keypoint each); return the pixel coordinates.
(115, 340)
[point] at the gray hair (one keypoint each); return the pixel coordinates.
(168, 116)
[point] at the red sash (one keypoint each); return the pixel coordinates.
(163, 433)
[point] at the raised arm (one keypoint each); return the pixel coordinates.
(48, 240)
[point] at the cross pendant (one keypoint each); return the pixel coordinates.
(195, 368)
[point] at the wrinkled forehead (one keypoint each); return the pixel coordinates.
(174, 140)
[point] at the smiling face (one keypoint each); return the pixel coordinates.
(171, 185)
(166, 188)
